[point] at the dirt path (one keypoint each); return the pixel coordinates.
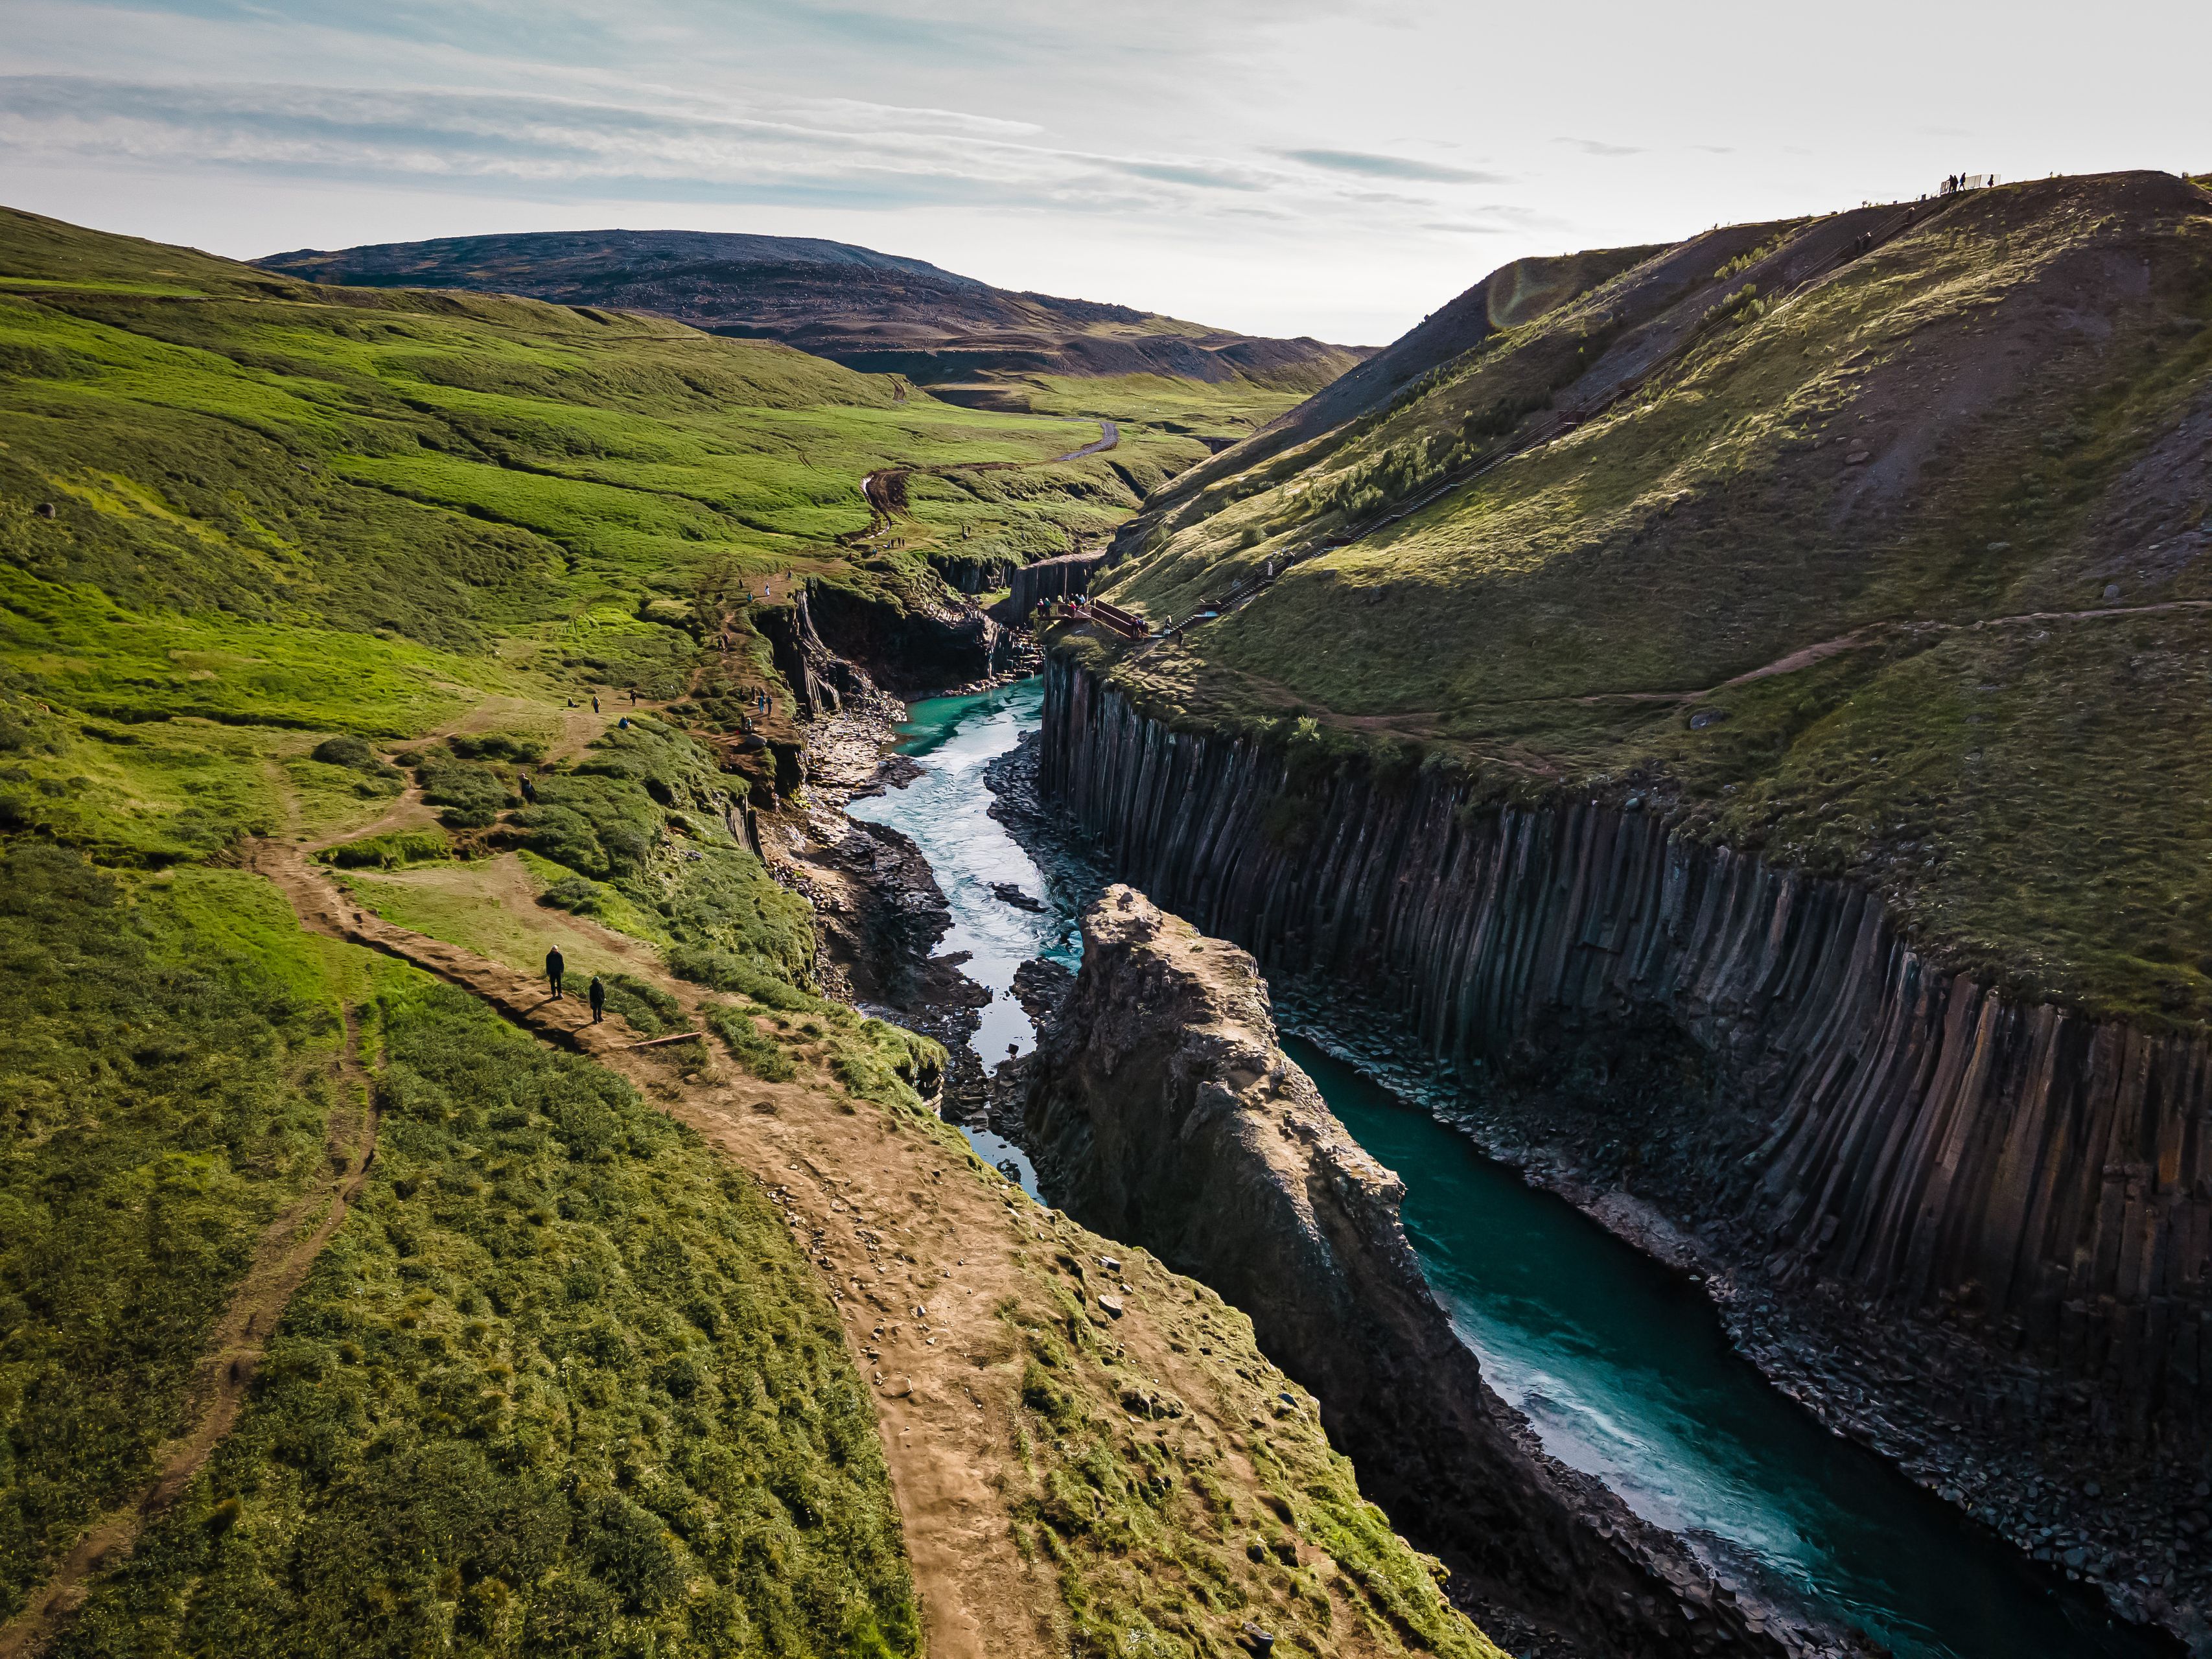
(885, 490)
(1425, 724)
(917, 1252)
(280, 1266)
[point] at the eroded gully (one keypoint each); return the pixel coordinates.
(1620, 1365)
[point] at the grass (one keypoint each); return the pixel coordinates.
(562, 1381)
(168, 1072)
(1157, 1536)
(1542, 630)
(563, 1384)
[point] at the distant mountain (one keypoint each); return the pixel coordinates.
(870, 311)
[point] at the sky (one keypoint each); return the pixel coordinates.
(1280, 167)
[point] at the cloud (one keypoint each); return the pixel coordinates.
(1388, 167)
(1598, 147)
(844, 111)
(1176, 173)
(811, 151)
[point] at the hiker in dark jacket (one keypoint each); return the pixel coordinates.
(529, 789)
(554, 969)
(598, 1000)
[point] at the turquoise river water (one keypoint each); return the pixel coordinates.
(1621, 1366)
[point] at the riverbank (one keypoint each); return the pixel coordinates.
(1760, 1060)
(1749, 1320)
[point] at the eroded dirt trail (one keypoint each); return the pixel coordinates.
(287, 1248)
(920, 1252)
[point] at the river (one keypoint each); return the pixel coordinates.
(1621, 1366)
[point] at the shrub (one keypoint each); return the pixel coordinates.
(345, 750)
(494, 746)
(757, 1054)
(724, 970)
(394, 851)
(473, 796)
(645, 1006)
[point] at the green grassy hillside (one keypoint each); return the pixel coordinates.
(232, 501)
(871, 310)
(1888, 561)
(291, 572)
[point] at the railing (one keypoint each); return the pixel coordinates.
(1113, 618)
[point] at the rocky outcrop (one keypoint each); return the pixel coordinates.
(820, 679)
(909, 644)
(1051, 579)
(1862, 1116)
(1162, 1111)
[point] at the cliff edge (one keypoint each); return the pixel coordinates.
(1164, 1111)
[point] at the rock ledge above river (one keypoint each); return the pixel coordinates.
(1163, 1110)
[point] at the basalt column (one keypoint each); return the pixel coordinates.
(1162, 1111)
(1865, 1116)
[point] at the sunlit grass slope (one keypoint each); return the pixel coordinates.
(336, 568)
(1913, 453)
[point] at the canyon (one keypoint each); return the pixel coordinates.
(1162, 1110)
(1839, 1133)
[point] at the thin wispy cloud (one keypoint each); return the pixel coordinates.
(828, 152)
(1369, 165)
(1599, 146)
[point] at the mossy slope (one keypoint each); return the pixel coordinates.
(1957, 489)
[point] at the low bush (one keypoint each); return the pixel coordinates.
(726, 970)
(496, 746)
(394, 851)
(473, 795)
(757, 1054)
(645, 1006)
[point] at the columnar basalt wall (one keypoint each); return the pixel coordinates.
(1859, 1115)
(1051, 579)
(1162, 1109)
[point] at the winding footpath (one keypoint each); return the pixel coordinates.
(920, 1248)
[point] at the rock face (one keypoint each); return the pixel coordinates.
(1162, 1111)
(1858, 1116)
(912, 648)
(1049, 579)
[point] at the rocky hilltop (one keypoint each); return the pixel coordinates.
(1163, 1110)
(874, 312)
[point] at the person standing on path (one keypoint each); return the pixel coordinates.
(595, 702)
(598, 1000)
(555, 967)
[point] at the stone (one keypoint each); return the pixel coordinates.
(2112, 591)
(1112, 1304)
(1136, 1112)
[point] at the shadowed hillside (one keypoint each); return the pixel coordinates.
(871, 310)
